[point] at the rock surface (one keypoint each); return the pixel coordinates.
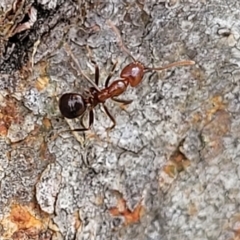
(170, 169)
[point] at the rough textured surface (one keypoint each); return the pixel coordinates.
(169, 170)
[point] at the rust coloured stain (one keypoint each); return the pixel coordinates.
(22, 217)
(22, 221)
(43, 80)
(214, 122)
(177, 162)
(46, 124)
(204, 115)
(41, 83)
(170, 170)
(9, 114)
(213, 134)
(130, 216)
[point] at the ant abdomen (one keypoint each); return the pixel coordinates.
(72, 105)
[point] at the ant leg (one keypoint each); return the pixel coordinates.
(95, 64)
(121, 44)
(110, 116)
(96, 72)
(110, 74)
(124, 102)
(69, 51)
(90, 123)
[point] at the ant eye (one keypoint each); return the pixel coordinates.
(72, 105)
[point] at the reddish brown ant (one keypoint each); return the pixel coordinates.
(73, 105)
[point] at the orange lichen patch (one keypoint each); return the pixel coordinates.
(220, 125)
(214, 122)
(170, 170)
(46, 124)
(133, 216)
(216, 105)
(9, 113)
(213, 133)
(3, 129)
(192, 209)
(196, 118)
(21, 219)
(204, 115)
(177, 162)
(130, 217)
(173, 168)
(41, 82)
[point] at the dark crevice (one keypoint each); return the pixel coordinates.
(17, 48)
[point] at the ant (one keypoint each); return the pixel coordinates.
(73, 105)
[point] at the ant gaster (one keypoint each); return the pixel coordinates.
(73, 105)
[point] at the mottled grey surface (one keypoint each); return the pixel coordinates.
(194, 109)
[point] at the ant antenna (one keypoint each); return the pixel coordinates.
(175, 64)
(69, 51)
(120, 41)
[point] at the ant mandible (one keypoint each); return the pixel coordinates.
(73, 105)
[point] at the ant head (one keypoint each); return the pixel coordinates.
(72, 105)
